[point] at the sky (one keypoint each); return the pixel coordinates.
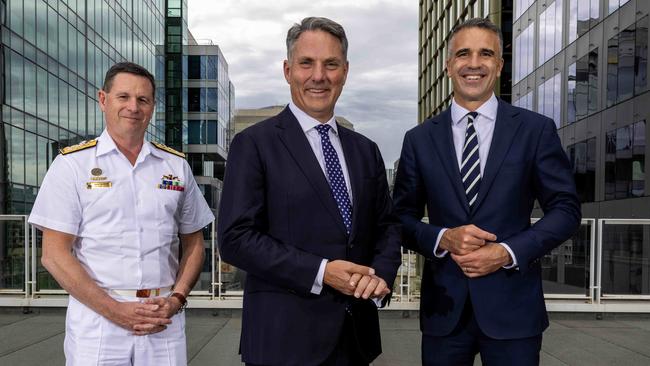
(380, 94)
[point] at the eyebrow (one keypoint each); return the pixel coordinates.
(482, 50)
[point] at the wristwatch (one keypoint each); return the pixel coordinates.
(182, 300)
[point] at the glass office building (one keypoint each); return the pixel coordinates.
(54, 55)
(584, 63)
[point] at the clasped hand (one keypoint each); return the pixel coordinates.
(354, 280)
(474, 250)
(147, 317)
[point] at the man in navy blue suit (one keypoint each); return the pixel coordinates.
(305, 211)
(478, 167)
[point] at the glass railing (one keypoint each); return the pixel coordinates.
(607, 259)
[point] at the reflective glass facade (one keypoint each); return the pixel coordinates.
(600, 104)
(54, 55)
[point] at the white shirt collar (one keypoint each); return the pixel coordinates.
(307, 122)
(105, 144)
(487, 109)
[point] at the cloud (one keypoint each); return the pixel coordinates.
(380, 95)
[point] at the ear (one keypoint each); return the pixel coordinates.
(287, 70)
(345, 71)
(101, 96)
(500, 67)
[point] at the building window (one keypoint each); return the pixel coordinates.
(627, 62)
(549, 98)
(615, 4)
(550, 32)
(583, 161)
(625, 257)
(525, 102)
(582, 87)
(583, 14)
(625, 162)
(524, 44)
(521, 6)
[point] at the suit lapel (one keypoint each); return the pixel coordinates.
(440, 132)
(505, 129)
(294, 139)
(352, 160)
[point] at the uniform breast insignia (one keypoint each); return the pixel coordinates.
(97, 180)
(171, 183)
(78, 147)
(168, 149)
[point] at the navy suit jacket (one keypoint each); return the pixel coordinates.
(525, 163)
(278, 220)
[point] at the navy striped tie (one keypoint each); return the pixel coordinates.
(470, 168)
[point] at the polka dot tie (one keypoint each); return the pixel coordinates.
(335, 176)
(470, 168)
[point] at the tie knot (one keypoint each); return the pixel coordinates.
(323, 129)
(472, 114)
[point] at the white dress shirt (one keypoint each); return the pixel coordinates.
(126, 217)
(308, 125)
(484, 125)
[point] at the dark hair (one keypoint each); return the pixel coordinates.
(129, 68)
(313, 24)
(482, 23)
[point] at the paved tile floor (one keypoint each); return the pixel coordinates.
(213, 338)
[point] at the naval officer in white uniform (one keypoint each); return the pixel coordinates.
(114, 212)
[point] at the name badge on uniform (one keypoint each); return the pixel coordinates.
(171, 183)
(97, 180)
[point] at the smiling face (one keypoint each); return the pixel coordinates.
(473, 65)
(316, 73)
(127, 106)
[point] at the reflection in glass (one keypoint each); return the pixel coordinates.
(610, 165)
(638, 160)
(12, 255)
(641, 56)
(612, 70)
(623, 161)
(566, 269)
(626, 64)
(582, 87)
(626, 259)
(571, 93)
(592, 82)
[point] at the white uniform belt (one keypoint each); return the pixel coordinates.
(143, 293)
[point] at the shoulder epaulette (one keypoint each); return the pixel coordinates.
(168, 149)
(78, 147)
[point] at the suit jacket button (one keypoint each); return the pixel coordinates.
(350, 246)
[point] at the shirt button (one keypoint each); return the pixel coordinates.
(141, 230)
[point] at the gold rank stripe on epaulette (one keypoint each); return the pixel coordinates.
(168, 149)
(78, 147)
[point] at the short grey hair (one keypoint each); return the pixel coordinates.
(314, 24)
(483, 23)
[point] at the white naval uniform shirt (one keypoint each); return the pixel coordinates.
(127, 234)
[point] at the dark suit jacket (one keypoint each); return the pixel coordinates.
(525, 163)
(278, 220)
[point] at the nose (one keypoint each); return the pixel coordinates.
(474, 60)
(318, 73)
(132, 104)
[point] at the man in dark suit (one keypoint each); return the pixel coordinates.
(305, 210)
(478, 168)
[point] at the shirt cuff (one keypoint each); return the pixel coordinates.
(435, 248)
(512, 255)
(378, 300)
(317, 287)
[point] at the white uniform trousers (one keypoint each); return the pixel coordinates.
(91, 339)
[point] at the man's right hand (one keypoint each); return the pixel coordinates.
(339, 272)
(465, 239)
(124, 314)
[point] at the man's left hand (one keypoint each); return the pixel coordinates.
(370, 287)
(483, 261)
(167, 307)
